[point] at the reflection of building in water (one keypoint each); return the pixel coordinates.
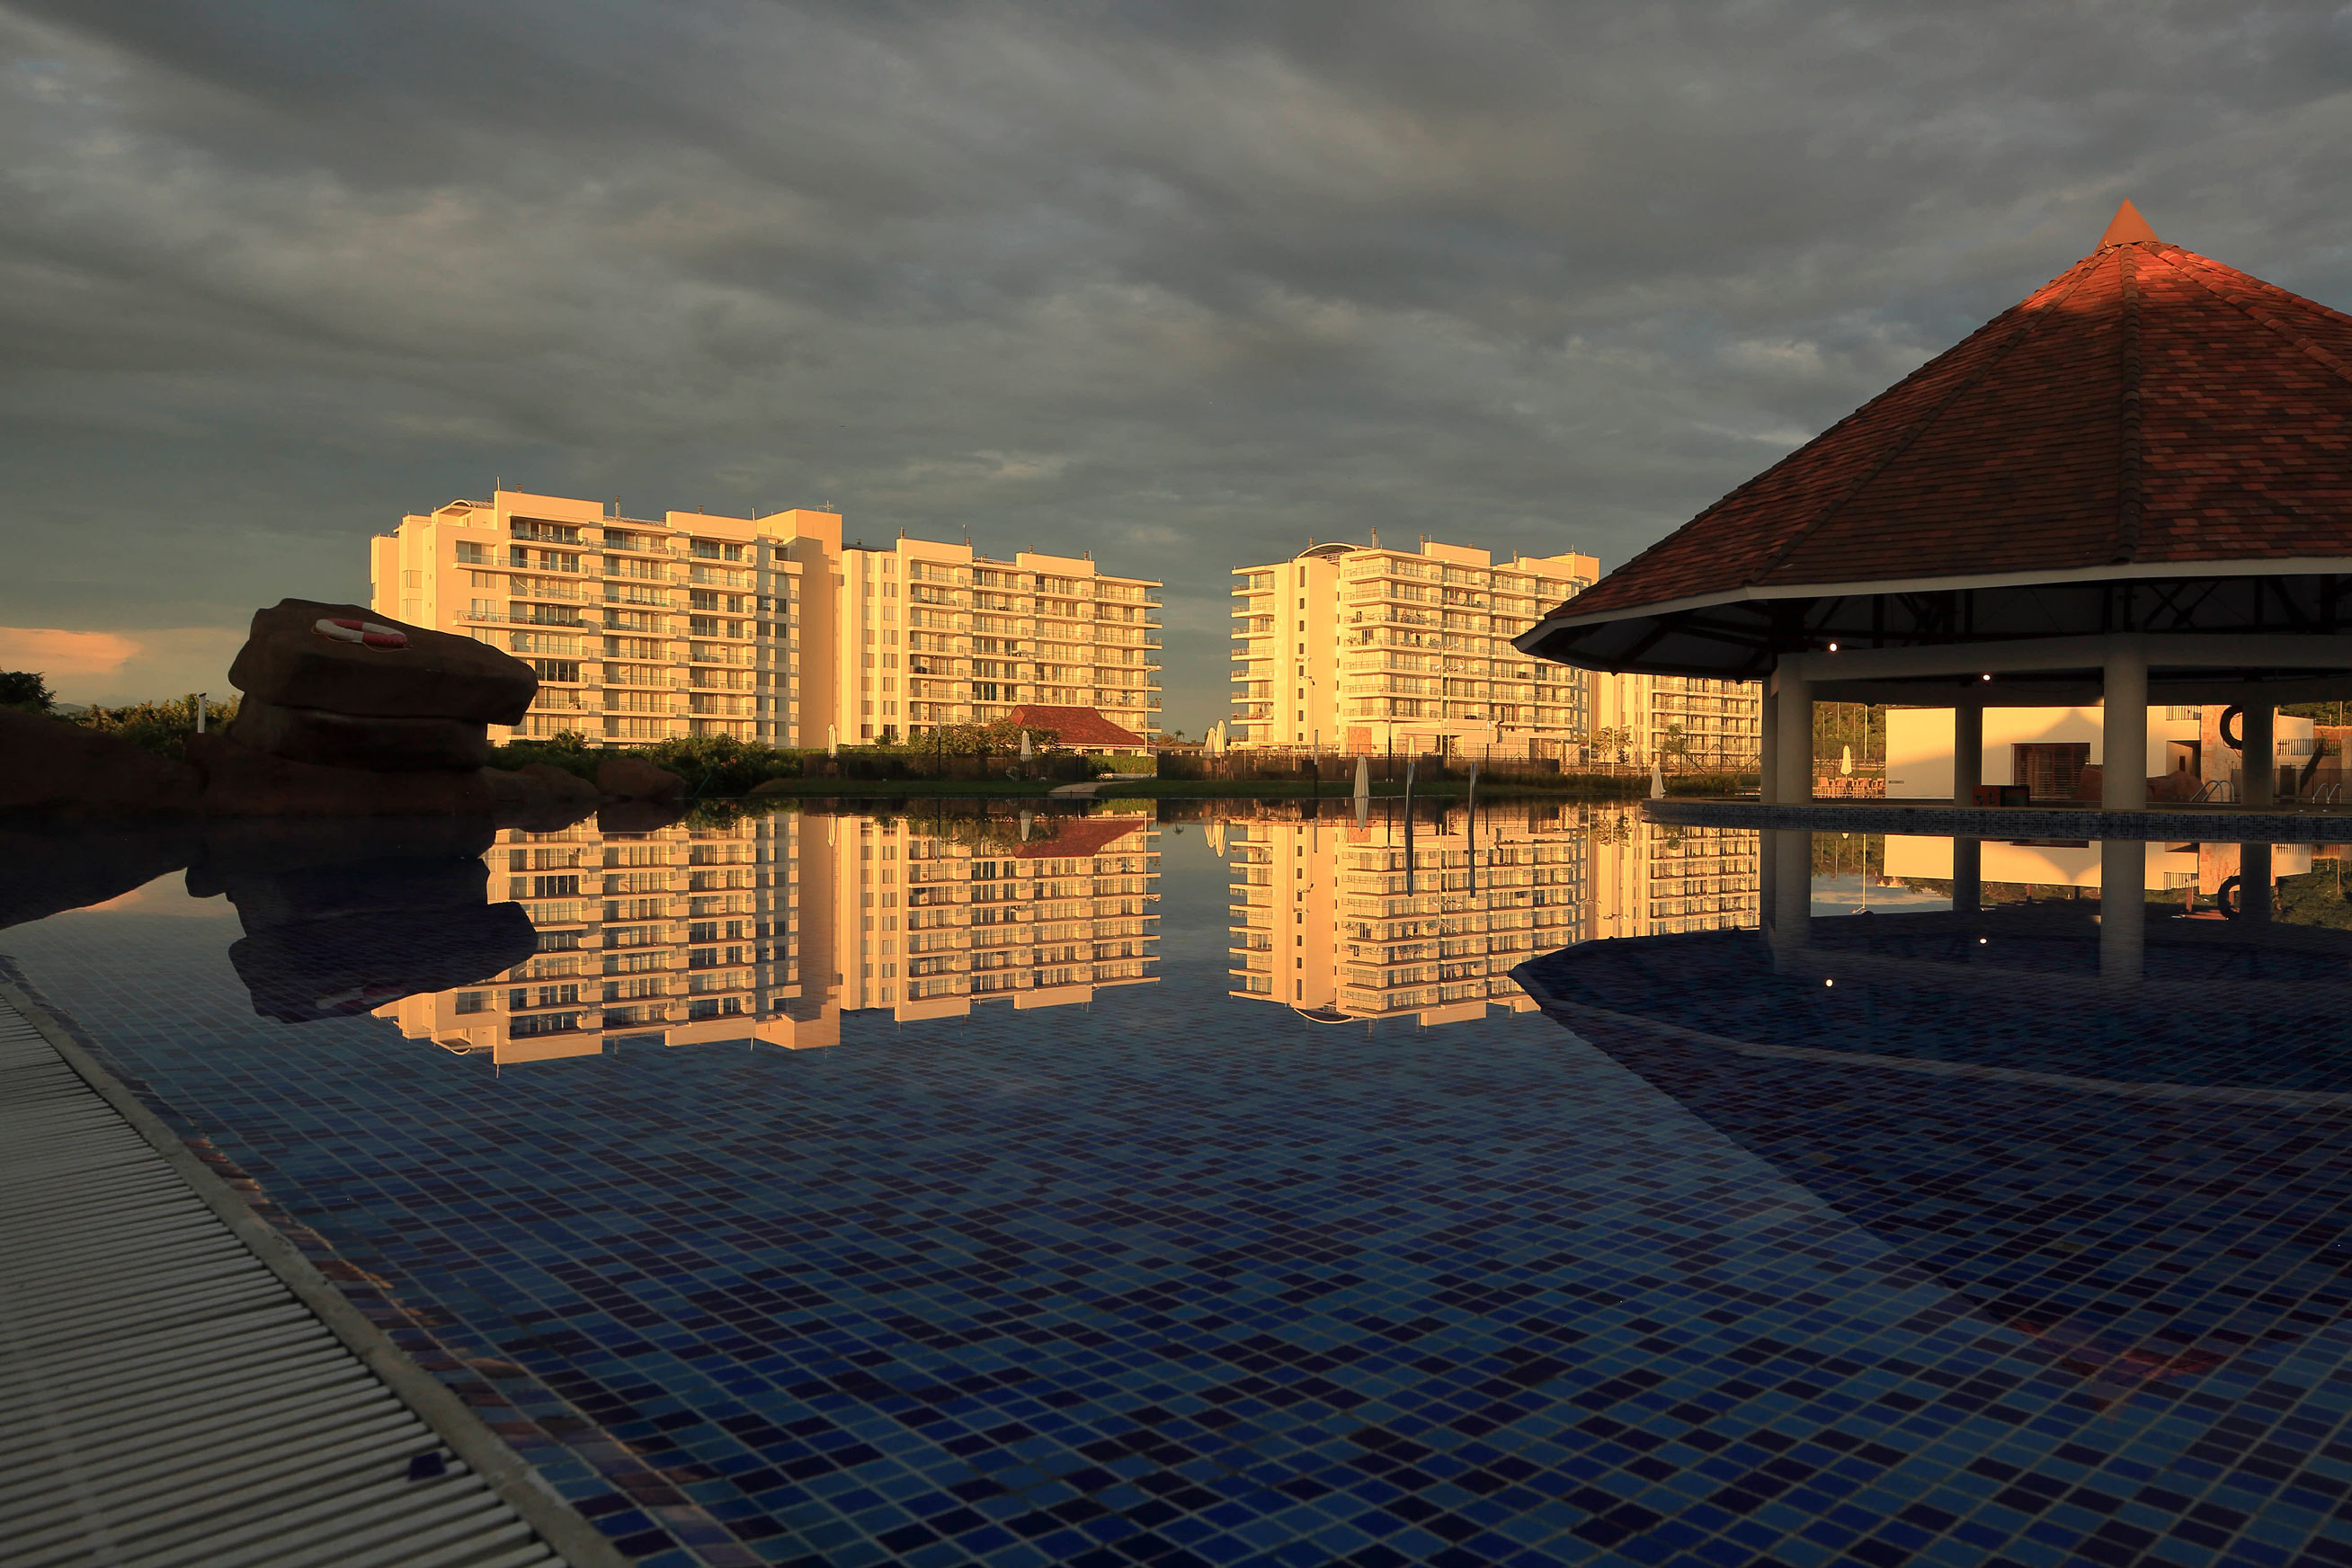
(2075, 864)
(769, 928)
(935, 922)
(1325, 920)
(1649, 877)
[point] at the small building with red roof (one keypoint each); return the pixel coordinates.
(1079, 728)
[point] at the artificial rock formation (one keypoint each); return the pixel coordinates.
(288, 661)
(349, 713)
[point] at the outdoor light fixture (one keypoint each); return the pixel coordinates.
(1988, 678)
(1833, 648)
(1828, 982)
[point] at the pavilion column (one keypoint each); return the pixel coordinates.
(1968, 751)
(2123, 910)
(1790, 853)
(1767, 781)
(2254, 882)
(2123, 773)
(2259, 776)
(1967, 876)
(1795, 740)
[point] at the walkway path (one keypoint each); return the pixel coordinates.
(169, 1399)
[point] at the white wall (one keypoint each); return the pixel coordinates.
(1919, 744)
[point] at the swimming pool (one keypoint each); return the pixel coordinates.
(1213, 1189)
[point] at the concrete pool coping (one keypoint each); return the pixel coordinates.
(563, 1534)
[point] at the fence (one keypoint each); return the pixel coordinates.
(1057, 767)
(1271, 764)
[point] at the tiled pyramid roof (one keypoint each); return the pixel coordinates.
(1076, 726)
(2149, 405)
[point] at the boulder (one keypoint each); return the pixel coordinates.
(289, 662)
(351, 741)
(48, 764)
(634, 778)
(242, 782)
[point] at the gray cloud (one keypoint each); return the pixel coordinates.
(1182, 284)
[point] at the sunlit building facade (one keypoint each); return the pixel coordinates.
(1365, 649)
(1681, 722)
(767, 928)
(769, 629)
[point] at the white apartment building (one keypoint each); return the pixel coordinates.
(1680, 722)
(1364, 649)
(769, 629)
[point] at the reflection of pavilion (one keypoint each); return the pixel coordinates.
(1328, 923)
(2150, 1179)
(2070, 863)
(767, 928)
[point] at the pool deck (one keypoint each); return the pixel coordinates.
(2214, 823)
(180, 1385)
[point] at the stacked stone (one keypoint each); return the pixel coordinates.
(340, 686)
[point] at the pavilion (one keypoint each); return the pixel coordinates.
(2134, 486)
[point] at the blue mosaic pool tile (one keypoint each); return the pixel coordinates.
(1180, 1279)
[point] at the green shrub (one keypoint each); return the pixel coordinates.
(1002, 738)
(162, 727)
(569, 751)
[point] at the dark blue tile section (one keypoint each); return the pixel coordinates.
(1182, 1279)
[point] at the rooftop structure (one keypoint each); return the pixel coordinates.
(2130, 486)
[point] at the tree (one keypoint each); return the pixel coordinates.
(26, 688)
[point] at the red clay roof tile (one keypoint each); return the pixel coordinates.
(1076, 726)
(2146, 406)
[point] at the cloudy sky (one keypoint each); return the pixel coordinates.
(1184, 284)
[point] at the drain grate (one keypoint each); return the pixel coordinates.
(168, 1399)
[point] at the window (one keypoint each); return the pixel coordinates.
(555, 887)
(473, 1000)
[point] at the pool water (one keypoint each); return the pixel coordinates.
(1227, 1186)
